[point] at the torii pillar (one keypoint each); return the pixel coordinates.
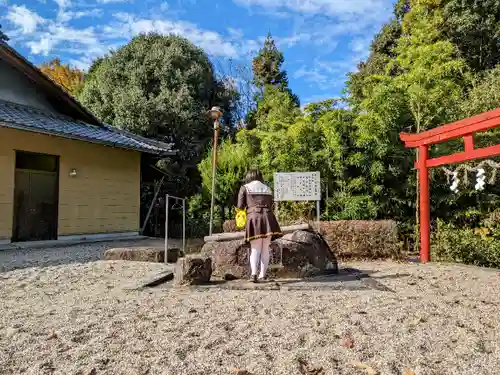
(460, 129)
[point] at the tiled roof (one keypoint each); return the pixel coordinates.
(21, 117)
(55, 93)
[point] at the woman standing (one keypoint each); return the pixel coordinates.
(262, 226)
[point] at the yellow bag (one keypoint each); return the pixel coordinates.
(241, 218)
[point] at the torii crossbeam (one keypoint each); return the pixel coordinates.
(461, 129)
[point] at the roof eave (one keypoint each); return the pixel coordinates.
(34, 74)
(162, 153)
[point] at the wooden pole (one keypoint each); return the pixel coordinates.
(214, 169)
(157, 191)
(425, 211)
(240, 235)
(166, 228)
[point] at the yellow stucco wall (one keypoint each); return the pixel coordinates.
(104, 197)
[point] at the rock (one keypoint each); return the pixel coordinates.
(307, 368)
(304, 254)
(193, 270)
(229, 258)
(138, 254)
(173, 255)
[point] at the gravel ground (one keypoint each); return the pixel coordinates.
(80, 319)
(12, 259)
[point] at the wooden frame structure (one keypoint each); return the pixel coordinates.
(422, 141)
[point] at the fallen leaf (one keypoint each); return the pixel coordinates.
(408, 371)
(368, 369)
(348, 341)
(238, 371)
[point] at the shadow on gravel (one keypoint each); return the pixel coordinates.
(346, 279)
(57, 255)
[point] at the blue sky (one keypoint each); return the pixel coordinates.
(322, 39)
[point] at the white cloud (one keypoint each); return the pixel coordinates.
(322, 7)
(235, 33)
(63, 3)
(313, 75)
(42, 36)
(68, 15)
(72, 40)
(24, 19)
(318, 27)
(210, 41)
(328, 74)
(113, 1)
(82, 63)
(323, 22)
(42, 47)
(360, 45)
(76, 41)
(317, 98)
(85, 44)
(324, 74)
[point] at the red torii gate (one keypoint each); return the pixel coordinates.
(460, 129)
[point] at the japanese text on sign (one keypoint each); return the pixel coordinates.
(297, 186)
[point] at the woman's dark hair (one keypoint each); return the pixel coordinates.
(253, 175)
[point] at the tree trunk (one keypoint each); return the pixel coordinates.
(222, 213)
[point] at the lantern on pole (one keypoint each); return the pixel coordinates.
(215, 113)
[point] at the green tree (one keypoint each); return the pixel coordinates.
(3, 37)
(412, 81)
(267, 71)
(267, 66)
(427, 66)
(401, 8)
(484, 95)
(474, 27)
(161, 87)
(233, 161)
(276, 109)
(381, 52)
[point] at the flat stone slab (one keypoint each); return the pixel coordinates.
(137, 254)
(152, 280)
(346, 279)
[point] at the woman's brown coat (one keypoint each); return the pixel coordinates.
(257, 198)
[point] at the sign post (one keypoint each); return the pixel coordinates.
(298, 186)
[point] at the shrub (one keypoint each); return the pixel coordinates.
(198, 218)
(353, 239)
(480, 247)
(362, 239)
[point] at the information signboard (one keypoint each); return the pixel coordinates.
(297, 186)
